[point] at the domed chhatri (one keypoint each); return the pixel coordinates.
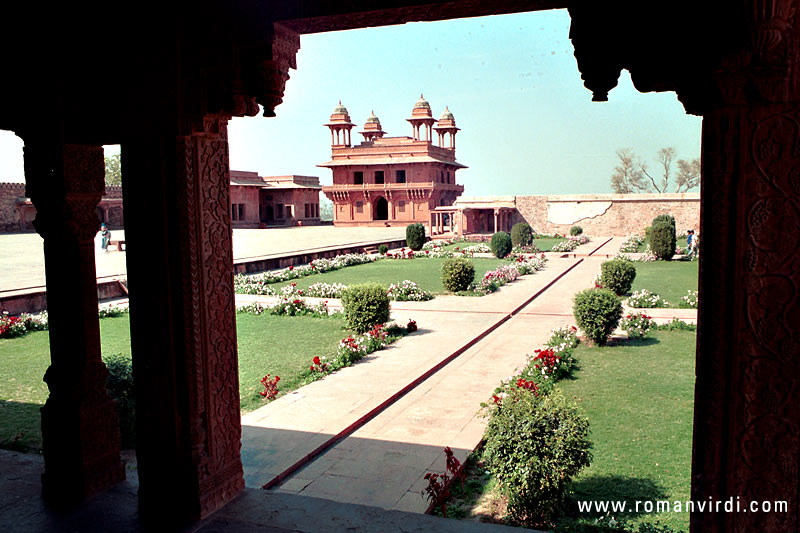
(422, 103)
(340, 109)
(372, 128)
(447, 125)
(422, 120)
(340, 126)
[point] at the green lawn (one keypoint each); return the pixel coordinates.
(544, 244)
(427, 273)
(639, 400)
(669, 279)
(272, 344)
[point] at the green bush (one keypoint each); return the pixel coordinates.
(415, 236)
(382, 249)
(120, 387)
(534, 446)
(365, 305)
(597, 312)
(617, 275)
(662, 240)
(575, 230)
(664, 218)
(457, 273)
(501, 244)
(521, 234)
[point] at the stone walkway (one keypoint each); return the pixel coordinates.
(22, 256)
(369, 433)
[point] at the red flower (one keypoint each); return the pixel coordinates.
(291, 267)
(316, 360)
(297, 302)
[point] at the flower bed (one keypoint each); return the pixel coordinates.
(646, 299)
(407, 290)
(689, 301)
(259, 283)
(631, 244)
(16, 326)
(637, 325)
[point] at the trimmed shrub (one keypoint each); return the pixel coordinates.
(521, 234)
(662, 240)
(575, 230)
(501, 244)
(382, 249)
(597, 313)
(457, 274)
(365, 305)
(120, 387)
(535, 445)
(415, 236)
(617, 275)
(664, 218)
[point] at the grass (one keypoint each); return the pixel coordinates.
(545, 244)
(426, 272)
(281, 345)
(669, 279)
(638, 397)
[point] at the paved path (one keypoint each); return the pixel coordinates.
(22, 257)
(389, 417)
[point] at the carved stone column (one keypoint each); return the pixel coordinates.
(80, 428)
(183, 333)
(747, 421)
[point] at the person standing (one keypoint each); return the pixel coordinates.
(689, 237)
(105, 236)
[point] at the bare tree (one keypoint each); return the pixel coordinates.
(632, 174)
(627, 176)
(688, 174)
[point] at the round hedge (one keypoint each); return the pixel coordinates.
(575, 230)
(120, 386)
(535, 445)
(382, 249)
(663, 240)
(617, 275)
(501, 244)
(457, 273)
(521, 234)
(365, 305)
(597, 312)
(415, 236)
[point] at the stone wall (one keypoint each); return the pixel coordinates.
(607, 214)
(17, 212)
(9, 213)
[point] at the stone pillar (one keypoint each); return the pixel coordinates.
(80, 429)
(183, 332)
(496, 214)
(747, 423)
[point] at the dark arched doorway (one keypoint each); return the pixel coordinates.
(381, 209)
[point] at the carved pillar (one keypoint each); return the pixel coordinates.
(80, 428)
(183, 335)
(747, 423)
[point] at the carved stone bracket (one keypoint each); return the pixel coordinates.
(274, 73)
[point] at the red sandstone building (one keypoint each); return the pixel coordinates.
(392, 180)
(258, 201)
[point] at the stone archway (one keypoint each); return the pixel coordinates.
(381, 209)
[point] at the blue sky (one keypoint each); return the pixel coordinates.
(528, 126)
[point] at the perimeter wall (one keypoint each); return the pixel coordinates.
(607, 214)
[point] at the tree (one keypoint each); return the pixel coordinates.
(633, 175)
(688, 175)
(113, 170)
